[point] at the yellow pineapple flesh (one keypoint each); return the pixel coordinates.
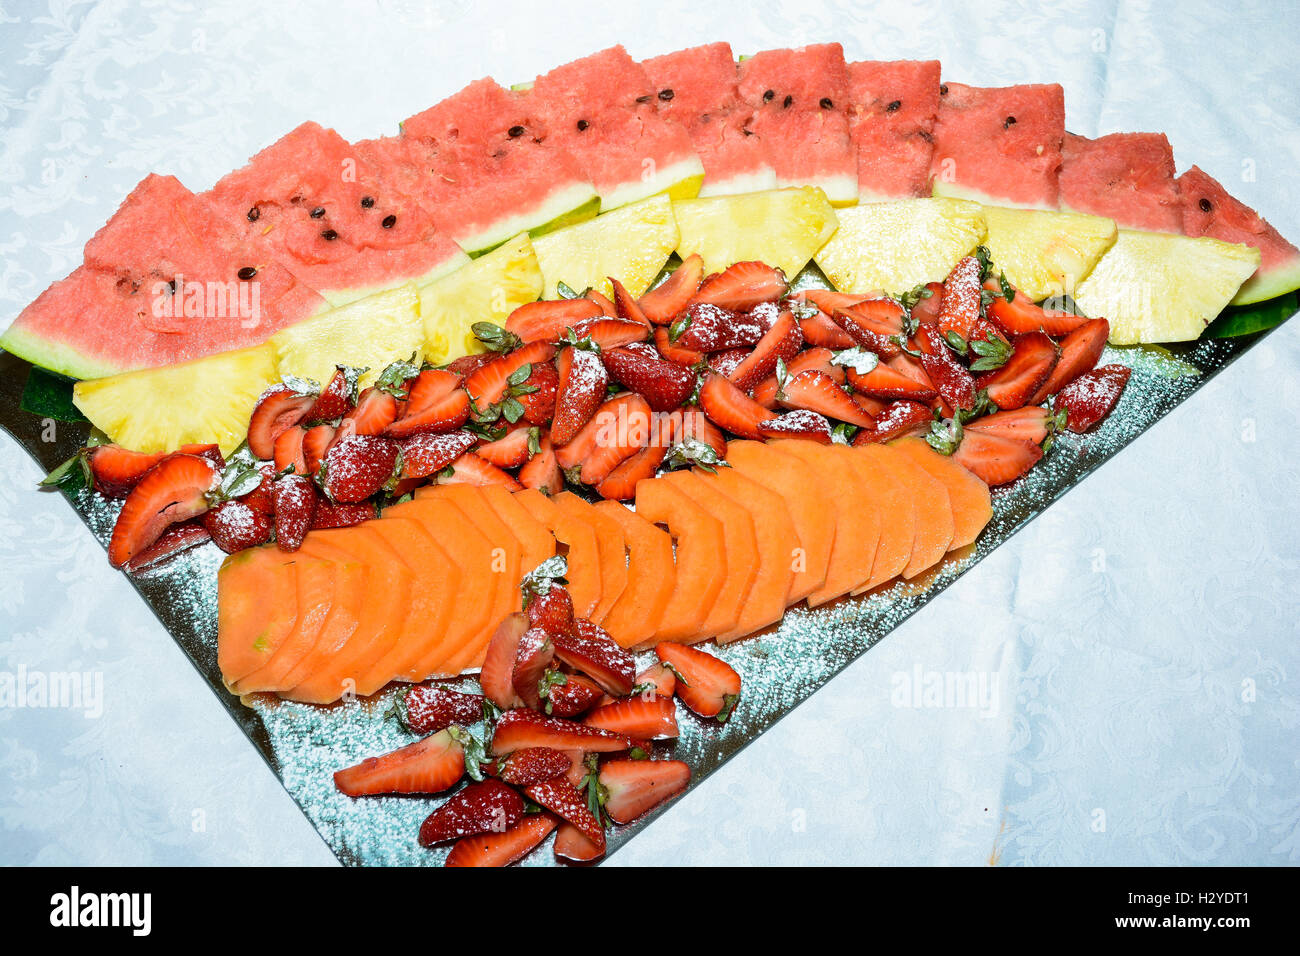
(1044, 253)
(631, 244)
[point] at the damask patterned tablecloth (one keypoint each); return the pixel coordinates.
(1117, 684)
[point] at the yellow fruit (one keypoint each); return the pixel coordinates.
(895, 246)
(782, 227)
(196, 402)
(1156, 287)
(1045, 253)
(488, 289)
(631, 244)
(369, 333)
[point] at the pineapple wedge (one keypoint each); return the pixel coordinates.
(369, 333)
(782, 227)
(631, 244)
(1046, 253)
(895, 246)
(197, 402)
(488, 289)
(1157, 287)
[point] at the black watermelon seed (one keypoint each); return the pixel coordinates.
(748, 132)
(943, 89)
(767, 97)
(318, 212)
(246, 273)
(894, 106)
(516, 132)
(826, 103)
(787, 101)
(171, 286)
(582, 125)
(665, 95)
(1010, 122)
(389, 221)
(1205, 205)
(254, 214)
(329, 235)
(643, 99)
(367, 202)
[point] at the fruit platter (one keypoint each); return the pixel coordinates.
(507, 474)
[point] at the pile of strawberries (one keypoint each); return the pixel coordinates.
(599, 394)
(570, 729)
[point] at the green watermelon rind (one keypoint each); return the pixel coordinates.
(53, 356)
(1269, 284)
(588, 209)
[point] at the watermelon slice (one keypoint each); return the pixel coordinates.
(1209, 210)
(332, 219)
(999, 145)
(603, 110)
(892, 108)
(1128, 177)
(698, 87)
(481, 161)
(163, 281)
(800, 101)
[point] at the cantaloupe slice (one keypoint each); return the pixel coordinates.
(814, 522)
(340, 624)
(700, 555)
(741, 543)
(651, 575)
(315, 581)
(972, 506)
(381, 615)
(898, 511)
(257, 608)
(934, 526)
(435, 589)
(775, 537)
(610, 549)
(578, 541)
(537, 541)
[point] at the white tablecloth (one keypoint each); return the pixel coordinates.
(1138, 641)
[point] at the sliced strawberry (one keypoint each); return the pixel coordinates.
(358, 466)
(876, 324)
(511, 449)
(959, 303)
(724, 363)
(706, 684)
(1080, 352)
(1021, 316)
(427, 454)
(542, 471)
(692, 424)
(590, 649)
(502, 849)
(798, 424)
(953, 382)
(280, 408)
(818, 329)
(533, 658)
(995, 459)
(489, 384)
(288, 451)
(521, 727)
(487, 806)
(672, 351)
(376, 409)
(779, 344)
(626, 306)
(602, 426)
(579, 392)
(435, 403)
(620, 436)
(467, 365)
(1092, 396)
(561, 798)
(663, 303)
(1030, 423)
(828, 301)
(531, 765)
(177, 538)
(926, 309)
(546, 321)
(497, 674)
(665, 385)
(338, 396)
(331, 514)
(704, 327)
(658, 679)
(898, 419)
(576, 695)
(817, 392)
(620, 484)
(315, 443)
(116, 470)
(537, 394)
(574, 846)
(174, 490)
(816, 359)
(470, 469)
(743, 286)
(551, 610)
(643, 717)
(611, 333)
(429, 708)
(430, 765)
(730, 408)
(263, 496)
(635, 787)
(1029, 367)
(607, 307)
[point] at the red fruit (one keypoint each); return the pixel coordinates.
(428, 454)
(490, 383)
(497, 674)
(692, 423)
(995, 459)
(1080, 352)
(635, 787)
(1022, 375)
(673, 352)
(779, 343)
(817, 392)
(589, 648)
(663, 303)
(724, 363)
(289, 453)
(874, 324)
(234, 526)
(645, 718)
(704, 327)
(743, 286)
(537, 394)
(821, 331)
(488, 806)
(959, 303)
(1092, 396)
(510, 450)
(434, 403)
(116, 470)
(625, 306)
(621, 433)
(706, 684)
(730, 408)
(560, 797)
(798, 424)
(1030, 423)
(430, 765)
(620, 484)
(174, 490)
(531, 765)
(337, 398)
(579, 392)
(926, 310)
(884, 381)
(898, 419)
(315, 443)
(817, 359)
(599, 428)
(542, 472)
(607, 307)
(545, 321)
(574, 846)
(502, 849)
(533, 658)
(179, 537)
(575, 696)
(612, 333)
(658, 678)
(429, 708)
(551, 610)
(358, 466)
(521, 728)
(1021, 316)
(280, 408)
(470, 469)
(467, 365)
(665, 385)
(376, 410)
(263, 496)
(953, 382)
(331, 514)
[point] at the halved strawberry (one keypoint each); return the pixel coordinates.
(635, 787)
(618, 439)
(470, 469)
(828, 301)
(704, 327)
(817, 392)
(329, 514)
(798, 424)
(502, 849)
(338, 396)
(663, 303)
(533, 658)
(531, 765)
(607, 307)
(561, 798)
(430, 765)
(487, 806)
(315, 443)
(690, 423)
(467, 365)
(546, 320)
(576, 695)
(730, 408)
(627, 307)
(780, 343)
(1021, 316)
(953, 382)
(579, 392)
(657, 679)
(1029, 367)
(574, 846)
(818, 359)
(706, 684)
(542, 471)
(511, 449)
(1092, 396)
(995, 459)
(818, 329)
(929, 300)
(521, 727)
(358, 466)
(959, 303)
(1080, 352)
(177, 538)
(898, 419)
(665, 385)
(278, 409)
(116, 470)
(672, 351)
(611, 333)
(620, 484)
(644, 717)
(589, 648)
(602, 425)
(496, 677)
(429, 708)
(174, 490)
(1030, 423)
(489, 384)
(288, 451)
(234, 526)
(376, 409)
(743, 286)
(877, 324)
(427, 454)
(724, 363)
(436, 402)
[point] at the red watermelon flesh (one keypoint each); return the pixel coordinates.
(338, 223)
(698, 87)
(603, 109)
(800, 102)
(481, 161)
(1128, 177)
(892, 107)
(1209, 210)
(999, 145)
